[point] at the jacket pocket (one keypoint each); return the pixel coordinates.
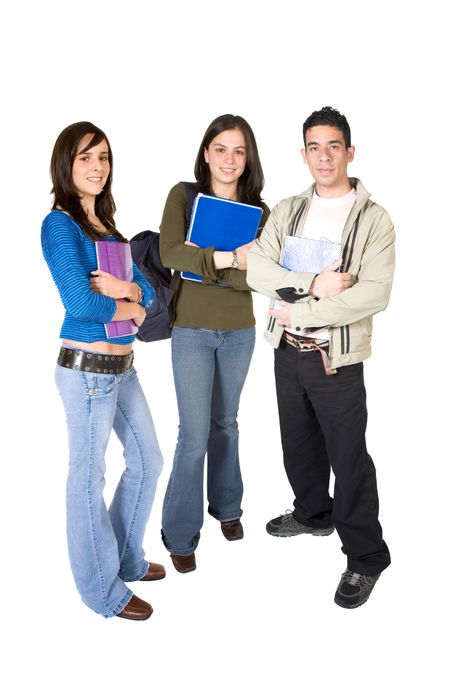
(359, 336)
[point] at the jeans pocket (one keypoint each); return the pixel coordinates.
(100, 385)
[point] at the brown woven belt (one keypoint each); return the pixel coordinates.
(310, 346)
(80, 360)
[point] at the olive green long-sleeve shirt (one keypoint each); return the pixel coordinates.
(202, 304)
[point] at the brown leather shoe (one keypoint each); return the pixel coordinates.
(136, 610)
(155, 572)
(233, 531)
(184, 563)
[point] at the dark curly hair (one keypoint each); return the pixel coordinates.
(331, 117)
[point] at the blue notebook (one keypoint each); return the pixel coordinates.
(221, 223)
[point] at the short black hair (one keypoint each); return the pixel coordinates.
(328, 116)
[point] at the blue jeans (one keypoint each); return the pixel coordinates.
(105, 546)
(209, 368)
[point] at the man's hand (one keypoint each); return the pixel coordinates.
(242, 253)
(330, 282)
(282, 312)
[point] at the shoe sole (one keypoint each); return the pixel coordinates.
(185, 571)
(351, 606)
(128, 617)
(326, 532)
(230, 537)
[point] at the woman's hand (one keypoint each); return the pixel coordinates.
(109, 285)
(139, 320)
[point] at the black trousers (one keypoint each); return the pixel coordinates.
(323, 423)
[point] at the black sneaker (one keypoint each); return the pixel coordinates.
(287, 525)
(354, 589)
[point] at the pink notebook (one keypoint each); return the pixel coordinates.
(114, 257)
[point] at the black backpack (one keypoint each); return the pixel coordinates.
(145, 252)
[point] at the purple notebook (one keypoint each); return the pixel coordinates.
(115, 258)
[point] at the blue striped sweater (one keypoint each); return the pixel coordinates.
(71, 257)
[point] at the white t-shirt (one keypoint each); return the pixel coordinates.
(325, 221)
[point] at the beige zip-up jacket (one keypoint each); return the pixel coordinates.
(368, 254)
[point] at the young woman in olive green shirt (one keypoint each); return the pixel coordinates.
(212, 344)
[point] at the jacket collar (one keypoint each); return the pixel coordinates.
(362, 195)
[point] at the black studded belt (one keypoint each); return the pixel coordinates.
(80, 360)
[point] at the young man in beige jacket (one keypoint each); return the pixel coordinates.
(321, 325)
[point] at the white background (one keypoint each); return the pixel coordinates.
(153, 76)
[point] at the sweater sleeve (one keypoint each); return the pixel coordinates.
(174, 253)
(147, 288)
(62, 246)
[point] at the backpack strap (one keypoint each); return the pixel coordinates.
(191, 189)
